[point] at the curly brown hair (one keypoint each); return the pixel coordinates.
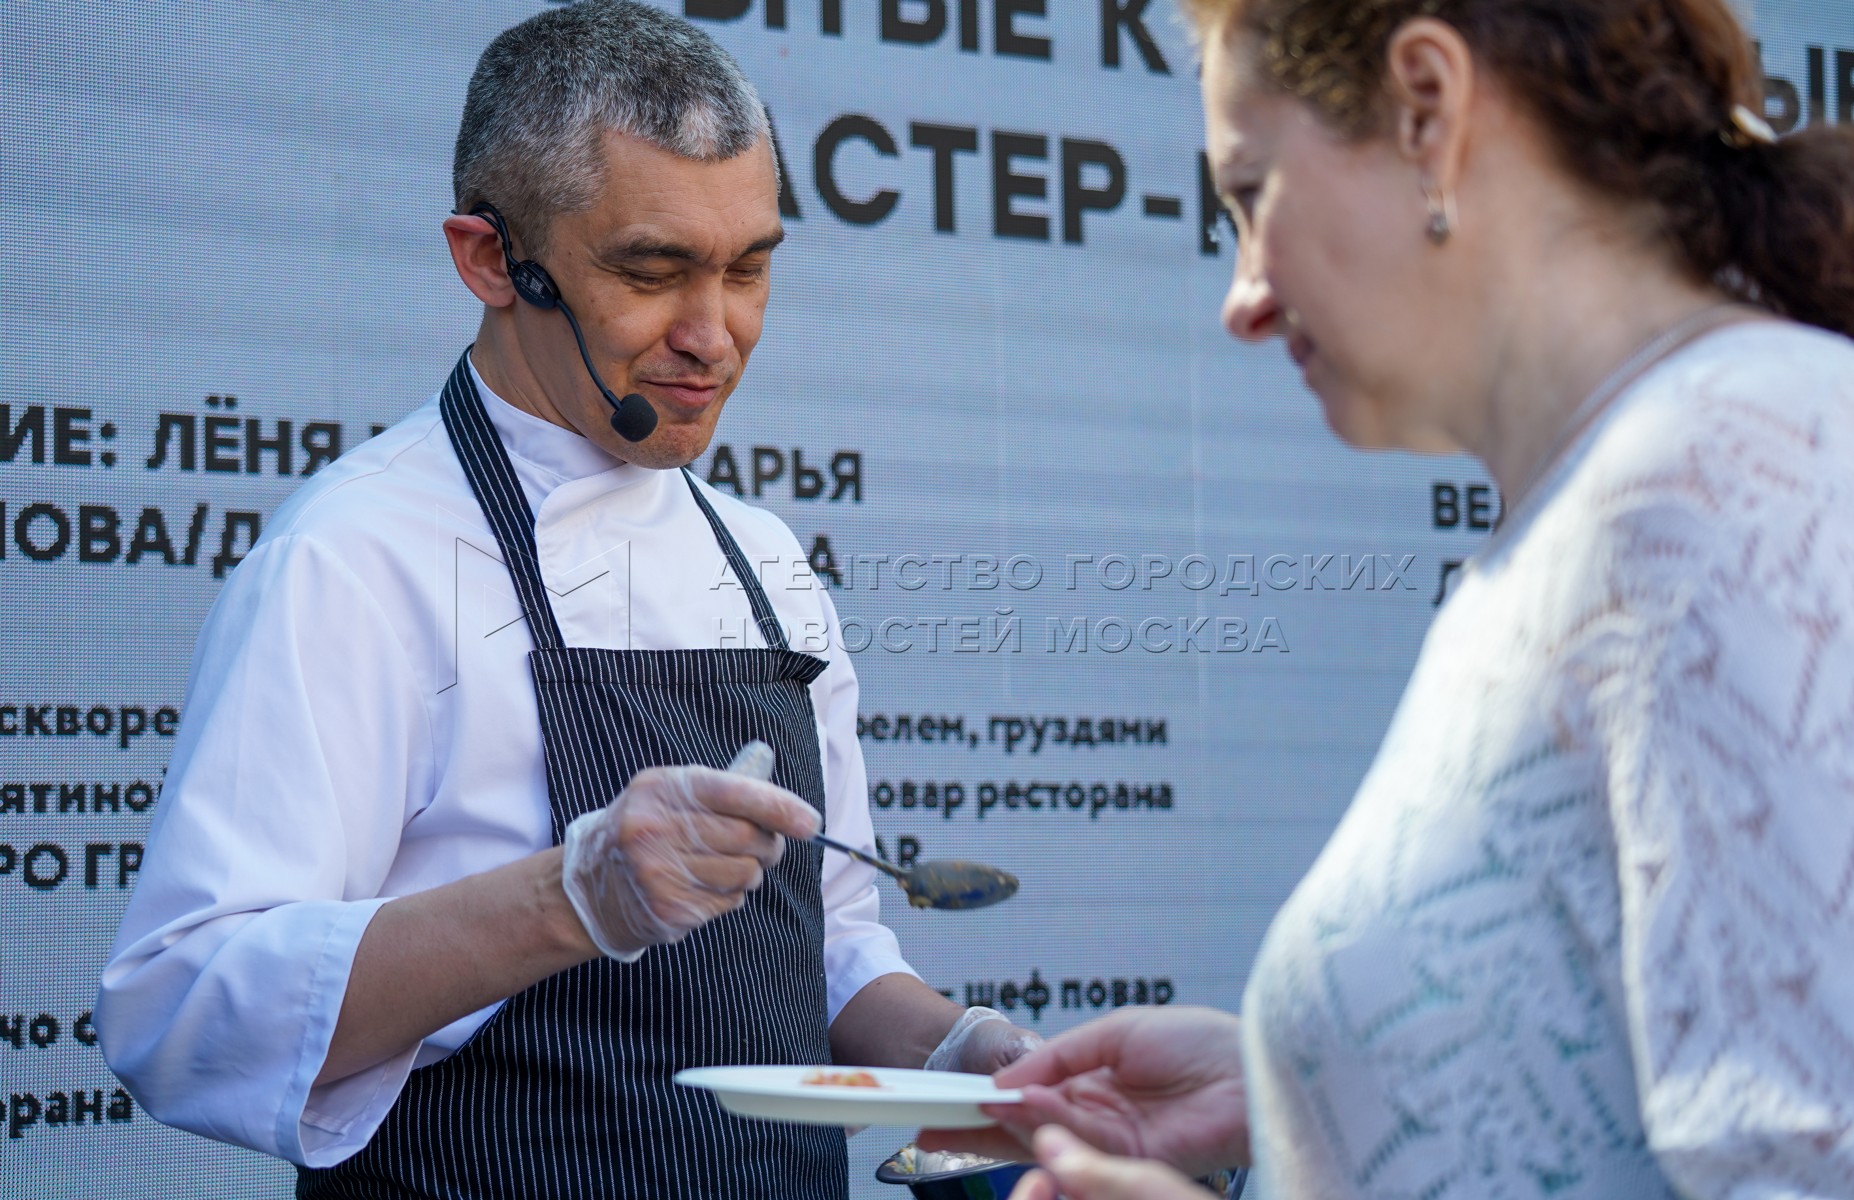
(1636, 95)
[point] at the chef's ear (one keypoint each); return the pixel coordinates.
(476, 250)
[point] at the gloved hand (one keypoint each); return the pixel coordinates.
(983, 1040)
(679, 847)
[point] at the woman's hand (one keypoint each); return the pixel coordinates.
(1145, 1083)
(1072, 1171)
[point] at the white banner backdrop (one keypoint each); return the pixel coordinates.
(1129, 619)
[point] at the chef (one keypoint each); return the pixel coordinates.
(446, 883)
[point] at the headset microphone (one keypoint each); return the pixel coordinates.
(632, 417)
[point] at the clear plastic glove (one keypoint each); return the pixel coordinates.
(983, 1040)
(679, 847)
(1071, 1170)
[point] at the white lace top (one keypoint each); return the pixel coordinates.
(1588, 928)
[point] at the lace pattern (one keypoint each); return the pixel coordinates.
(1586, 929)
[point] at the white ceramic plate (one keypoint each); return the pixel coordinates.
(928, 1099)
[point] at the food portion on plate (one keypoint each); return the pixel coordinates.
(853, 1079)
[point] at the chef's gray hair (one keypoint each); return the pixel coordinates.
(546, 92)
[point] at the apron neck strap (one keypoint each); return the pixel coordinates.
(763, 615)
(492, 477)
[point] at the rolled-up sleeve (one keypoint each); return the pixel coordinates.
(304, 736)
(858, 947)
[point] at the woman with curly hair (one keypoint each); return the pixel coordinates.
(1587, 929)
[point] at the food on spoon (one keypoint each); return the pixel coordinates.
(855, 1079)
(912, 1160)
(953, 884)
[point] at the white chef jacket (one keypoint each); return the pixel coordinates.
(361, 725)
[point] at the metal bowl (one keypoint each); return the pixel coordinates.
(935, 1176)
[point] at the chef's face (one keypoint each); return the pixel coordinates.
(1332, 258)
(669, 274)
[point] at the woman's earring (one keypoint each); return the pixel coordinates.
(1442, 217)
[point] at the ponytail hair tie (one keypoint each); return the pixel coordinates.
(1748, 129)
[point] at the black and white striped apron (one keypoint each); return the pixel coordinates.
(566, 1091)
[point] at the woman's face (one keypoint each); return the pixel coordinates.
(1333, 256)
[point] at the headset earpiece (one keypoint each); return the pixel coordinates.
(534, 284)
(632, 417)
(530, 279)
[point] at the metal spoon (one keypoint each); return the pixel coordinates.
(943, 884)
